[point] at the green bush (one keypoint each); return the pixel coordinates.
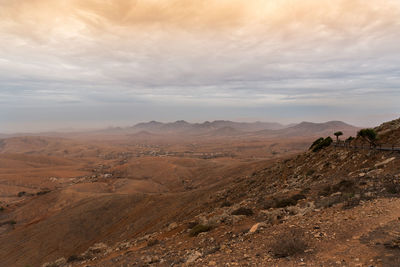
(200, 228)
(368, 134)
(320, 144)
(316, 142)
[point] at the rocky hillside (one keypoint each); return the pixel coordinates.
(335, 207)
(389, 132)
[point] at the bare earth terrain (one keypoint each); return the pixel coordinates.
(157, 196)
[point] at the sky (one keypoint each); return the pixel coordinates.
(95, 63)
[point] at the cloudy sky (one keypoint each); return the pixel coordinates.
(94, 63)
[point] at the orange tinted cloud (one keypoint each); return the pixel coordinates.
(198, 14)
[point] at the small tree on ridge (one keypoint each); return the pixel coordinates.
(337, 134)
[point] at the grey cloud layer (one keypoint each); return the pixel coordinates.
(225, 53)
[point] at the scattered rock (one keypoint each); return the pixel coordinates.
(255, 228)
(384, 162)
(58, 263)
(193, 257)
(172, 226)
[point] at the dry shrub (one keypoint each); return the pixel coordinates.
(243, 211)
(152, 242)
(285, 202)
(392, 187)
(200, 228)
(226, 204)
(290, 243)
(351, 203)
(74, 258)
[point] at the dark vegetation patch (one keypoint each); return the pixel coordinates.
(346, 192)
(328, 202)
(392, 187)
(316, 142)
(243, 211)
(285, 202)
(290, 243)
(351, 203)
(200, 228)
(267, 203)
(282, 202)
(321, 143)
(11, 222)
(305, 191)
(74, 258)
(191, 225)
(342, 186)
(226, 204)
(310, 172)
(393, 244)
(152, 242)
(298, 197)
(43, 192)
(21, 194)
(325, 191)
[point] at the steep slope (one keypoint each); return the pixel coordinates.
(389, 132)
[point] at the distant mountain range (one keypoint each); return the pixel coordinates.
(218, 128)
(205, 127)
(230, 128)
